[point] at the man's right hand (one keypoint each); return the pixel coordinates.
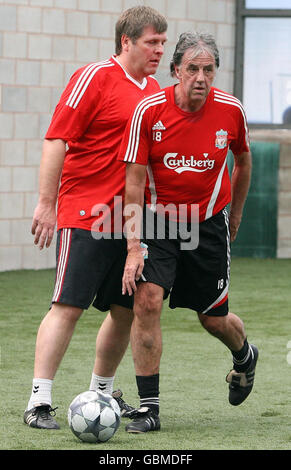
(133, 269)
(43, 224)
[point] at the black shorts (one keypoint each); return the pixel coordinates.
(85, 268)
(197, 279)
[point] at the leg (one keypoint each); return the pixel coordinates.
(53, 338)
(111, 343)
(112, 340)
(202, 284)
(146, 343)
(228, 328)
(146, 336)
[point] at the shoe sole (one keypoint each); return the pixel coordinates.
(40, 427)
(134, 431)
(137, 431)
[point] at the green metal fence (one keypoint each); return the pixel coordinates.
(257, 235)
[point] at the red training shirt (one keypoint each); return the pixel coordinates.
(91, 117)
(186, 152)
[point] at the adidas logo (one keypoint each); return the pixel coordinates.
(159, 126)
(30, 417)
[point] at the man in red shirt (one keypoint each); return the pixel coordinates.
(80, 152)
(178, 140)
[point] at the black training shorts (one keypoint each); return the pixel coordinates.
(85, 266)
(199, 278)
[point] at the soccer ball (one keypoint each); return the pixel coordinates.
(94, 416)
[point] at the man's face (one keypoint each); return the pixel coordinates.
(145, 54)
(196, 75)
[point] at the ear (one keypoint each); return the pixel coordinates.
(125, 42)
(177, 71)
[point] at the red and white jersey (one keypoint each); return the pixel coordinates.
(91, 117)
(186, 153)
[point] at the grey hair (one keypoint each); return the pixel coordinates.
(198, 41)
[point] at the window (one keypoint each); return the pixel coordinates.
(268, 4)
(263, 61)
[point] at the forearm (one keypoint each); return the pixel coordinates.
(52, 160)
(240, 183)
(133, 209)
(44, 217)
(133, 204)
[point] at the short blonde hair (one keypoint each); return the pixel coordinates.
(133, 21)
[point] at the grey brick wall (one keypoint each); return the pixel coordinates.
(42, 42)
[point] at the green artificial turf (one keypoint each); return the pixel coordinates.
(195, 413)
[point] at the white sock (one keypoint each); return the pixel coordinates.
(41, 393)
(104, 384)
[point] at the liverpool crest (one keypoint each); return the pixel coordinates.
(221, 139)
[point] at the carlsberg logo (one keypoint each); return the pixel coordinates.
(187, 164)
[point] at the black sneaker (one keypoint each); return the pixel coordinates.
(125, 409)
(41, 417)
(143, 420)
(241, 383)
